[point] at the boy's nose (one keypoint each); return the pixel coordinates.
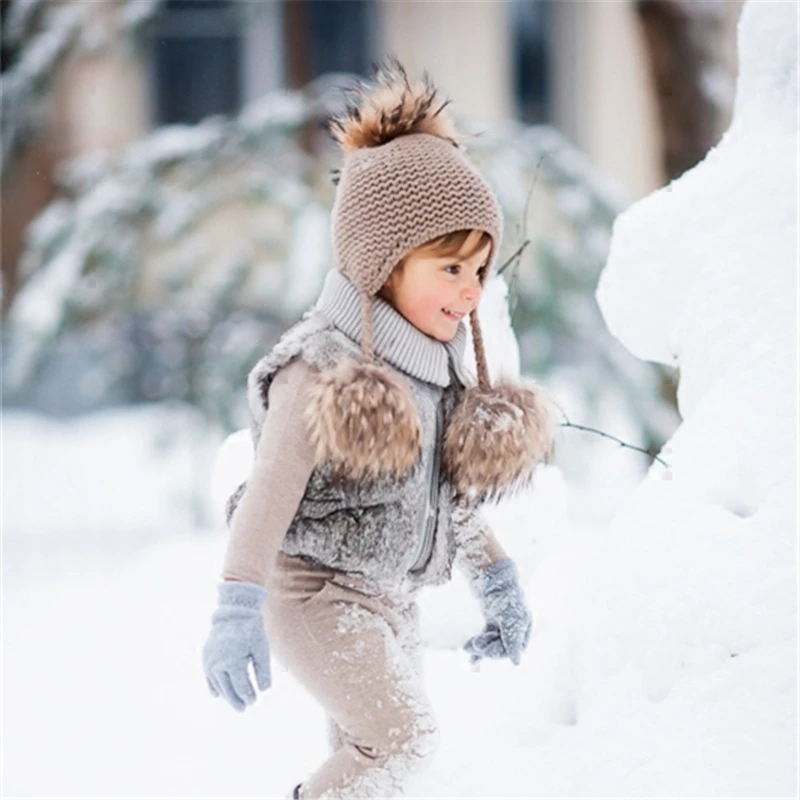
(471, 293)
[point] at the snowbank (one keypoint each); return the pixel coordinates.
(692, 594)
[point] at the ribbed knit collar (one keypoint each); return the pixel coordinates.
(396, 339)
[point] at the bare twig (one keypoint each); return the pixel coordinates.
(516, 254)
(569, 424)
(516, 257)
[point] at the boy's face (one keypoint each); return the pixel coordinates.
(435, 292)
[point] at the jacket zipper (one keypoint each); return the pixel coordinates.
(432, 500)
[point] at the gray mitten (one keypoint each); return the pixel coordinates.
(237, 637)
(508, 621)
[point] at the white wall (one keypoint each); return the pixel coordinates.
(603, 98)
(262, 50)
(100, 101)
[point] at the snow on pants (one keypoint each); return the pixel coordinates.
(359, 655)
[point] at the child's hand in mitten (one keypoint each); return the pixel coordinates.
(508, 621)
(237, 637)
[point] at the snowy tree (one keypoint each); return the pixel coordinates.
(45, 45)
(38, 37)
(131, 242)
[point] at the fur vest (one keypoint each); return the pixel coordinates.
(406, 449)
(391, 532)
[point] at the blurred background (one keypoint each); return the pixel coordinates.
(165, 197)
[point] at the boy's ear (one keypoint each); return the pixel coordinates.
(387, 290)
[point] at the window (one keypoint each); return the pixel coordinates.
(531, 33)
(330, 36)
(196, 61)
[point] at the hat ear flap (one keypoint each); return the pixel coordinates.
(363, 420)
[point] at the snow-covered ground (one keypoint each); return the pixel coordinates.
(664, 657)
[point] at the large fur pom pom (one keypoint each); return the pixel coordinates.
(391, 108)
(495, 438)
(363, 420)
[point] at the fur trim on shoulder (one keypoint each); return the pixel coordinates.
(233, 501)
(496, 437)
(309, 334)
(393, 107)
(363, 420)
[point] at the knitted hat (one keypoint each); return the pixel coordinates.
(406, 181)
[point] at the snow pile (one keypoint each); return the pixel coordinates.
(687, 612)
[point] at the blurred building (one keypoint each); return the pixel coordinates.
(643, 87)
(586, 68)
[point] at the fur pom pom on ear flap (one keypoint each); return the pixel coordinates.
(495, 438)
(363, 420)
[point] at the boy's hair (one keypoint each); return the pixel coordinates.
(454, 244)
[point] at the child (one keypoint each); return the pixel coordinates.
(374, 451)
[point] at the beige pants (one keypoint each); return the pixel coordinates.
(359, 655)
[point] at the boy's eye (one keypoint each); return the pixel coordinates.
(455, 269)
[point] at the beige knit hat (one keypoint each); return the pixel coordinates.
(406, 181)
